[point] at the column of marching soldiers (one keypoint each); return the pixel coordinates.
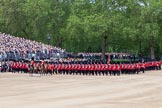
(85, 69)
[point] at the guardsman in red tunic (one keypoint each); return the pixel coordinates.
(75, 68)
(72, 69)
(95, 69)
(157, 64)
(99, 69)
(21, 67)
(106, 68)
(79, 68)
(89, 69)
(13, 66)
(54, 66)
(65, 68)
(61, 68)
(58, 68)
(32, 63)
(137, 67)
(83, 69)
(25, 67)
(86, 69)
(102, 69)
(143, 67)
(117, 69)
(92, 68)
(50, 68)
(113, 69)
(17, 66)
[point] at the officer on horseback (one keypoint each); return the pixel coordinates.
(31, 66)
(32, 62)
(43, 63)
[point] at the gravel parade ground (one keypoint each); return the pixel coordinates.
(77, 91)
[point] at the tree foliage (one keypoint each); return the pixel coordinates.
(133, 26)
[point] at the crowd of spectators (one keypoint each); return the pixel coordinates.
(12, 48)
(98, 55)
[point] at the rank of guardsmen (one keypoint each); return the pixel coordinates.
(81, 68)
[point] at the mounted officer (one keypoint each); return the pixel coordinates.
(32, 62)
(43, 62)
(31, 66)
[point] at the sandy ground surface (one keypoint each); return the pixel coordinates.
(68, 91)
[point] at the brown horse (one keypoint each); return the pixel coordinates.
(46, 69)
(43, 69)
(31, 69)
(34, 69)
